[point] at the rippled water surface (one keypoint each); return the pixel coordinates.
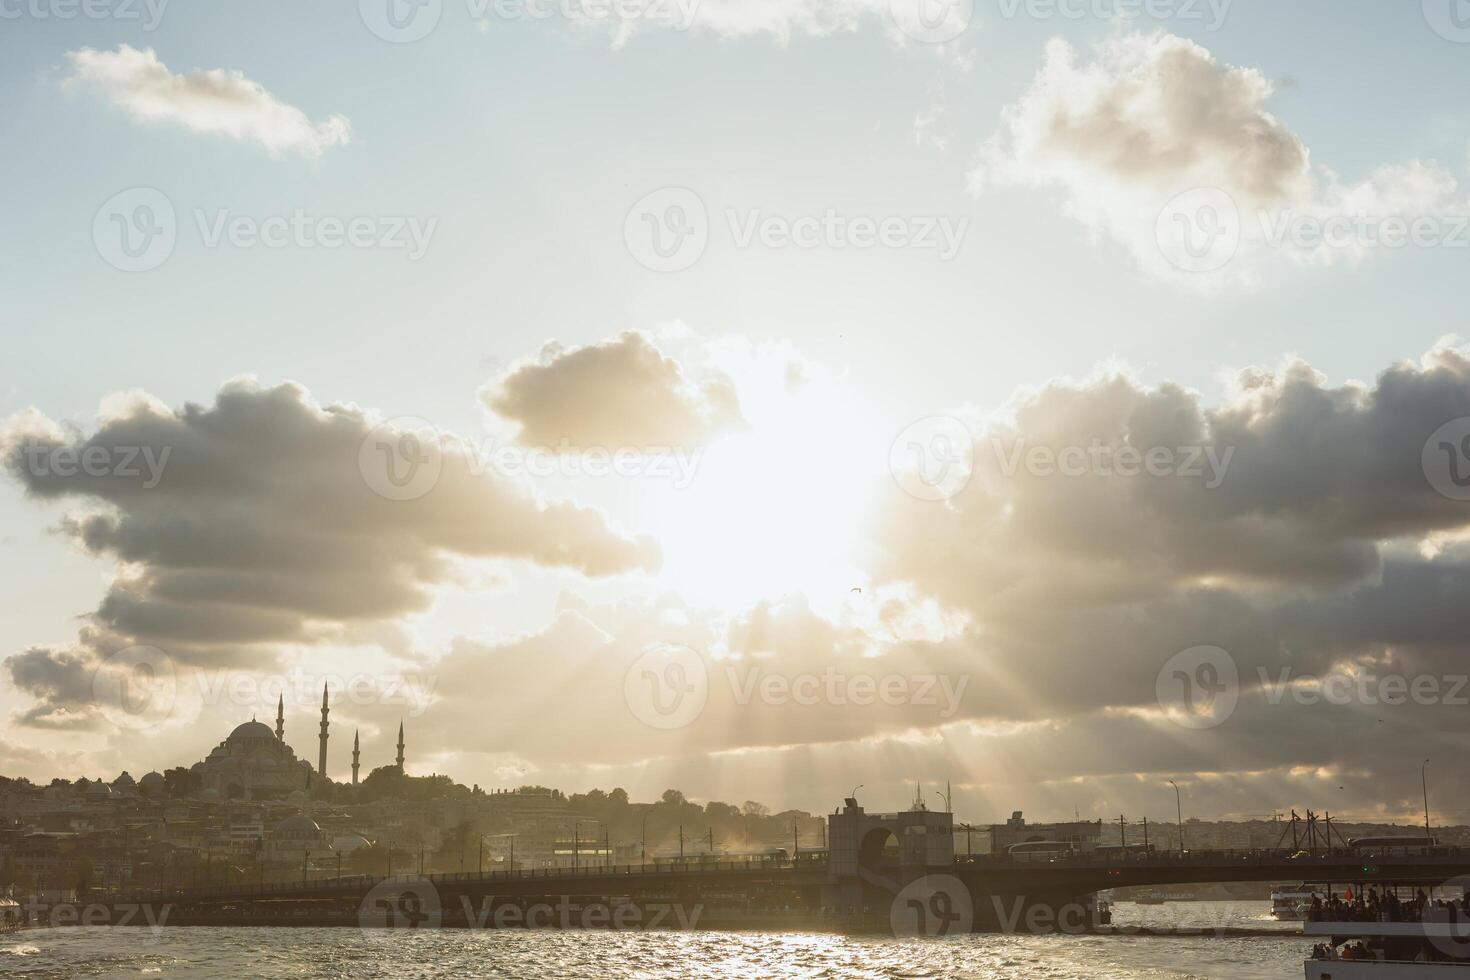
(235, 953)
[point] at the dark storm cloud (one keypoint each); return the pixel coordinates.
(265, 523)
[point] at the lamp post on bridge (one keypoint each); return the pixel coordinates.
(1179, 811)
(1424, 784)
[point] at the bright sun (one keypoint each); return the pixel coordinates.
(775, 508)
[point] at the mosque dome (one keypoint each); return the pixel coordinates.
(299, 827)
(251, 730)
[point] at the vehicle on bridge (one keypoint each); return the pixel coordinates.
(1393, 845)
(1040, 850)
(1123, 850)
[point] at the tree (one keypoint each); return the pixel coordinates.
(182, 782)
(82, 877)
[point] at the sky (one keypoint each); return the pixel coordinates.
(1050, 399)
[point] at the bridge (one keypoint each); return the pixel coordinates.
(887, 873)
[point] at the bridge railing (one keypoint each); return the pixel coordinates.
(357, 882)
(1283, 856)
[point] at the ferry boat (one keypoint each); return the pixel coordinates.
(1393, 940)
(1293, 904)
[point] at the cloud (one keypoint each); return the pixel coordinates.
(1284, 525)
(213, 101)
(1155, 121)
(904, 21)
(60, 681)
(268, 519)
(619, 393)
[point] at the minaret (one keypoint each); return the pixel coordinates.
(400, 746)
(321, 765)
(281, 719)
(354, 757)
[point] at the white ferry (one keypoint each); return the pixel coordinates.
(1435, 949)
(1293, 904)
